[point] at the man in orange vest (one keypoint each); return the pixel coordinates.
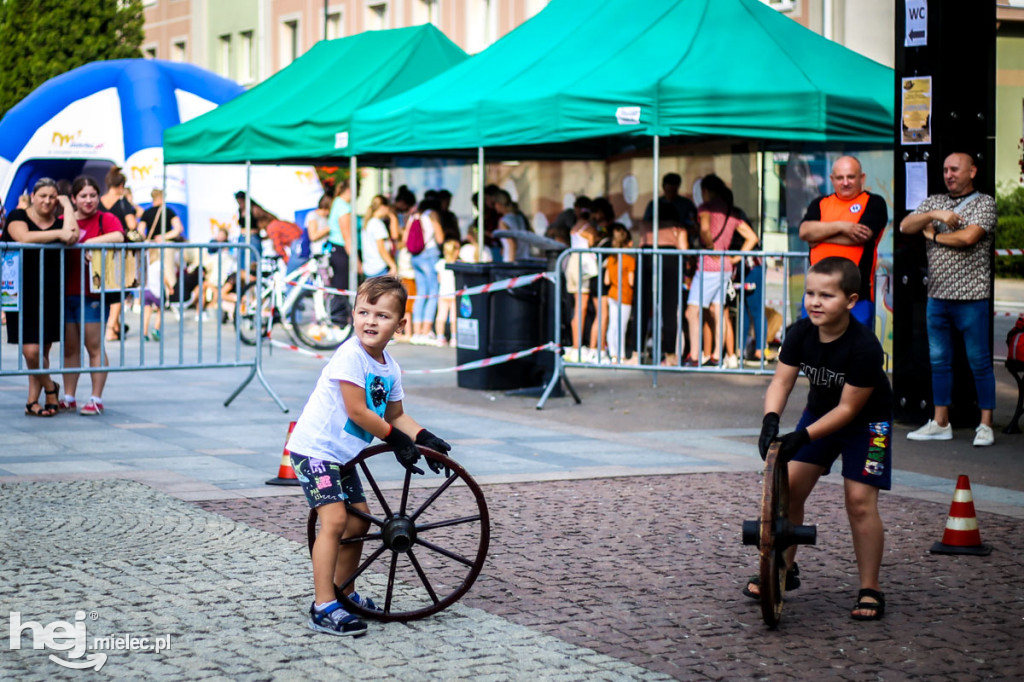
(848, 223)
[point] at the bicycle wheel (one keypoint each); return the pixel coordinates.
(312, 321)
(248, 308)
(427, 537)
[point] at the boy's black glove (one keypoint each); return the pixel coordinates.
(769, 429)
(405, 450)
(429, 440)
(791, 443)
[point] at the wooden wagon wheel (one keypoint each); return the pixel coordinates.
(428, 537)
(773, 534)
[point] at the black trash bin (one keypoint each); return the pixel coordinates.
(499, 322)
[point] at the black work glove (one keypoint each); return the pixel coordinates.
(405, 450)
(791, 443)
(769, 429)
(429, 440)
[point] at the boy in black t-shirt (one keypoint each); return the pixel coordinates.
(848, 413)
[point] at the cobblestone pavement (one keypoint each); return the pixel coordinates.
(230, 598)
(649, 570)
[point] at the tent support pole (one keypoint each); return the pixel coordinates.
(656, 262)
(480, 204)
(353, 268)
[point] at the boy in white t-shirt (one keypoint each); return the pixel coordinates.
(358, 396)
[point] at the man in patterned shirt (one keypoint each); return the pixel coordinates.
(959, 229)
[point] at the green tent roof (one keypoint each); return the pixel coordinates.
(296, 114)
(581, 69)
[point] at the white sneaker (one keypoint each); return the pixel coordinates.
(983, 436)
(932, 431)
(731, 362)
(572, 354)
(588, 355)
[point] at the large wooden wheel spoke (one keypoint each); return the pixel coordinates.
(406, 573)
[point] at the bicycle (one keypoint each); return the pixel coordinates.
(297, 297)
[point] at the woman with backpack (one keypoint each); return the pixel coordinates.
(422, 236)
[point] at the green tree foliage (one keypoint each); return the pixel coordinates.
(40, 39)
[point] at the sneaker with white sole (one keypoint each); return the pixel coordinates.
(932, 431)
(91, 409)
(335, 620)
(983, 436)
(731, 362)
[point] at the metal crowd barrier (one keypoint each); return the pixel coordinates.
(657, 323)
(190, 337)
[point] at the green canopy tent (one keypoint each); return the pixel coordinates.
(295, 116)
(582, 70)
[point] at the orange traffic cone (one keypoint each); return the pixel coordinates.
(962, 536)
(285, 473)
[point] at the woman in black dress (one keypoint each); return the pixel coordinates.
(39, 224)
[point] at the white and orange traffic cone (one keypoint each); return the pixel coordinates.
(962, 535)
(285, 472)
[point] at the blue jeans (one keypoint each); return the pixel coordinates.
(753, 303)
(971, 318)
(424, 265)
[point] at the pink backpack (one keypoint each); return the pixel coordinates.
(1015, 341)
(414, 239)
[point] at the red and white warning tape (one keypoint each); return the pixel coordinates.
(1010, 252)
(476, 364)
(510, 283)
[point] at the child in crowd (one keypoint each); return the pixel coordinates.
(358, 396)
(446, 300)
(848, 413)
(618, 298)
(468, 252)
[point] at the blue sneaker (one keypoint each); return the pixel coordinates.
(335, 620)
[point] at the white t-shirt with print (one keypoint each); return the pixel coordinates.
(324, 430)
(373, 262)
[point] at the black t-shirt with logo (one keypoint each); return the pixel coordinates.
(854, 358)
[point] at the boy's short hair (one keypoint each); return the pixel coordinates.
(375, 287)
(849, 274)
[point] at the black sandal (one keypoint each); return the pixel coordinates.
(37, 410)
(877, 608)
(55, 405)
(792, 582)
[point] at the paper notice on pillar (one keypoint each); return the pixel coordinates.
(917, 24)
(917, 184)
(916, 117)
(627, 116)
(341, 139)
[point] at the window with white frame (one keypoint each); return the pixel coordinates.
(376, 16)
(224, 62)
(781, 5)
(246, 57)
(335, 27)
(149, 51)
(289, 41)
(534, 6)
(427, 12)
(179, 50)
(481, 24)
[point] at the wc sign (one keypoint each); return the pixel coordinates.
(72, 640)
(916, 23)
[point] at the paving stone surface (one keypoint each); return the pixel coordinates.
(231, 599)
(649, 570)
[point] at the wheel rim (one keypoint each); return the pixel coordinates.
(427, 539)
(774, 514)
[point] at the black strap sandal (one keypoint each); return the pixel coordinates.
(877, 608)
(55, 405)
(792, 582)
(37, 410)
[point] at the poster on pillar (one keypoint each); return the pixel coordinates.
(916, 111)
